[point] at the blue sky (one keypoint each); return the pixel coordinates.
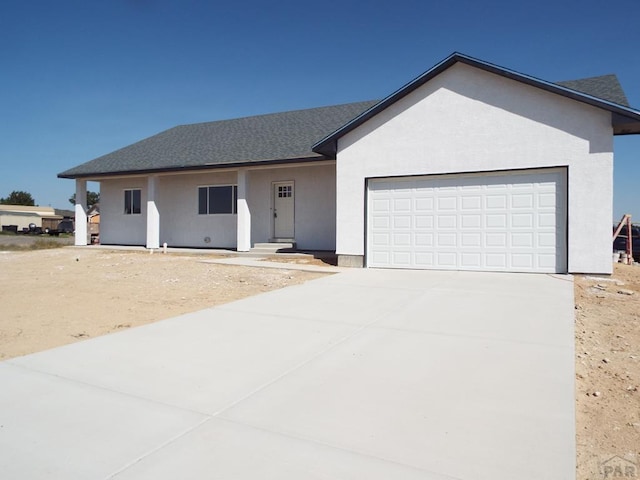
(83, 78)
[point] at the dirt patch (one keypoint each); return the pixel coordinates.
(319, 260)
(50, 298)
(608, 372)
(10, 241)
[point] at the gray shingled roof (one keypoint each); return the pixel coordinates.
(606, 87)
(312, 134)
(277, 137)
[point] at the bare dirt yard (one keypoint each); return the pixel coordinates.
(54, 297)
(608, 374)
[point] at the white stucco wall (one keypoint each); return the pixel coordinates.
(116, 228)
(469, 120)
(181, 225)
(315, 204)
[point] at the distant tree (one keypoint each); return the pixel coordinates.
(18, 197)
(92, 199)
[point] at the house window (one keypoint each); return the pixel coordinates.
(284, 191)
(132, 202)
(218, 199)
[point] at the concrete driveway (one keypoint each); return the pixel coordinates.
(368, 374)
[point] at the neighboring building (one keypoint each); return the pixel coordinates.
(63, 213)
(21, 216)
(93, 219)
(470, 166)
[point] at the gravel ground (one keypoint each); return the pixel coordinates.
(12, 241)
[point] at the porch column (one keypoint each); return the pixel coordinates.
(243, 213)
(81, 212)
(153, 216)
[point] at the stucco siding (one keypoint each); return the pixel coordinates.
(182, 226)
(116, 228)
(315, 204)
(469, 120)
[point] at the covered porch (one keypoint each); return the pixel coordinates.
(216, 208)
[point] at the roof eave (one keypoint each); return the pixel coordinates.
(195, 168)
(328, 145)
(625, 125)
(627, 129)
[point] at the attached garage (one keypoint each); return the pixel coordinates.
(471, 166)
(498, 221)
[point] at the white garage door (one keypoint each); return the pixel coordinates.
(513, 222)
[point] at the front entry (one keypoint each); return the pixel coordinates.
(283, 210)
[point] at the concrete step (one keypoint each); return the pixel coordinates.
(273, 247)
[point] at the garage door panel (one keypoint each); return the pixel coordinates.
(496, 202)
(402, 221)
(447, 221)
(547, 240)
(522, 260)
(381, 240)
(471, 203)
(382, 259)
(522, 240)
(424, 260)
(496, 221)
(402, 204)
(424, 204)
(547, 220)
(471, 260)
(381, 205)
(424, 239)
(446, 240)
(402, 239)
(471, 221)
(402, 259)
(381, 222)
(424, 221)
(522, 220)
(547, 260)
(447, 204)
(503, 222)
(446, 259)
(471, 240)
(495, 261)
(547, 200)
(522, 201)
(520, 185)
(495, 240)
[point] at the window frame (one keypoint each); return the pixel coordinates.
(131, 201)
(208, 199)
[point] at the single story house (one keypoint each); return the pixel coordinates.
(470, 166)
(21, 216)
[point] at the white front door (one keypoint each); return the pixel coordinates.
(283, 210)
